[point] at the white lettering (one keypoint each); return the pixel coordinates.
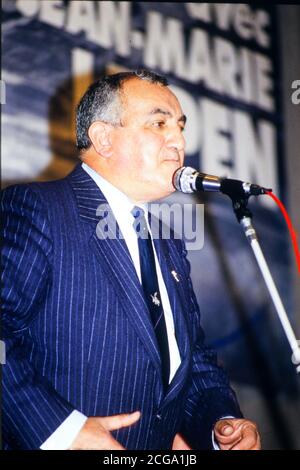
(248, 24)
(2, 92)
(255, 151)
(247, 68)
(243, 21)
(2, 352)
(53, 12)
(81, 17)
(200, 61)
(223, 12)
(227, 66)
(114, 26)
(264, 83)
(28, 7)
(296, 94)
(217, 148)
(199, 11)
(261, 21)
(232, 146)
(108, 25)
(164, 46)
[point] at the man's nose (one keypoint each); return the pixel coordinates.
(176, 139)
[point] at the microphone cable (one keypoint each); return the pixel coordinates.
(292, 231)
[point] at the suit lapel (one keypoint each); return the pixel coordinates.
(115, 259)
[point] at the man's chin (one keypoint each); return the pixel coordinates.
(167, 191)
(173, 163)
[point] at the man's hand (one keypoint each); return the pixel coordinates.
(237, 434)
(95, 434)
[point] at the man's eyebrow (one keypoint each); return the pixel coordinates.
(167, 113)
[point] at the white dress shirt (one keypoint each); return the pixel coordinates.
(121, 207)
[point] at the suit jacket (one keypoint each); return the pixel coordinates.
(77, 329)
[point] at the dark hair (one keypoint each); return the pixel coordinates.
(101, 102)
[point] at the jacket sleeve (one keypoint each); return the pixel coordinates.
(210, 396)
(32, 409)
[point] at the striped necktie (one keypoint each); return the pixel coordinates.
(151, 289)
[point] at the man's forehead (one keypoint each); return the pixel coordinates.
(151, 96)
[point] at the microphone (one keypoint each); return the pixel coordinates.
(189, 180)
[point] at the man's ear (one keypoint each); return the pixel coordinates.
(99, 133)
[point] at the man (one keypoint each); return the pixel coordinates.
(87, 366)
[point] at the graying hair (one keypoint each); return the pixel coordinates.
(102, 102)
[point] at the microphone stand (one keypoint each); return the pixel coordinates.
(244, 217)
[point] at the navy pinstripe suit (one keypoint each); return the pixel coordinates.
(77, 330)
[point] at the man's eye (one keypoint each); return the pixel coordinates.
(158, 124)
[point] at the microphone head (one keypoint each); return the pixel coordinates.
(184, 179)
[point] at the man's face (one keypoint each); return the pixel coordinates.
(149, 146)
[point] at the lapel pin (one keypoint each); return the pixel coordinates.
(155, 299)
(175, 275)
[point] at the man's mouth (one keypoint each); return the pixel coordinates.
(172, 159)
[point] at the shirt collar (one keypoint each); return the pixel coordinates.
(120, 204)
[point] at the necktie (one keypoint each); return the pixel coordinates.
(151, 289)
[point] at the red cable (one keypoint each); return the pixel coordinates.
(292, 231)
